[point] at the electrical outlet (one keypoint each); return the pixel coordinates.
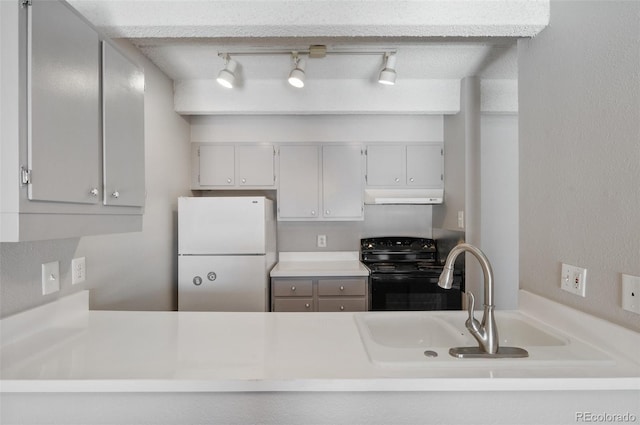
(50, 277)
(573, 279)
(631, 293)
(78, 270)
(322, 241)
(460, 219)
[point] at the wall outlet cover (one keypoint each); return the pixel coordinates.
(631, 293)
(78, 270)
(50, 277)
(573, 279)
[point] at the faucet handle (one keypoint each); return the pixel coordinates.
(472, 323)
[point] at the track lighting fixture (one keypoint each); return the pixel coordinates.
(296, 76)
(388, 73)
(227, 77)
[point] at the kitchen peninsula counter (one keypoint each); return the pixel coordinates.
(65, 349)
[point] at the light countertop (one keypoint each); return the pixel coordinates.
(65, 347)
(320, 264)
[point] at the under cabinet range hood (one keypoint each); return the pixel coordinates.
(403, 196)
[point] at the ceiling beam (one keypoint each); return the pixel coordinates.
(314, 18)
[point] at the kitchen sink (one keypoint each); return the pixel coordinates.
(408, 338)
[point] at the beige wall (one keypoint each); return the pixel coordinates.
(579, 131)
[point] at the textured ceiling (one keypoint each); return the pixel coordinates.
(433, 39)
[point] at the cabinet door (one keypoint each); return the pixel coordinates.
(217, 165)
(342, 191)
(424, 165)
(123, 127)
(63, 105)
(298, 191)
(254, 165)
(385, 165)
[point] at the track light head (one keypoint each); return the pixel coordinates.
(227, 77)
(296, 76)
(388, 73)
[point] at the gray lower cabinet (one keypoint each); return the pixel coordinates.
(324, 294)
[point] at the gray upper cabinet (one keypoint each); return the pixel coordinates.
(342, 188)
(216, 165)
(405, 165)
(320, 182)
(386, 165)
(299, 182)
(72, 131)
(424, 165)
(226, 166)
(123, 129)
(63, 107)
(255, 165)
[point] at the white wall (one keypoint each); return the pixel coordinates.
(579, 94)
(499, 204)
(124, 271)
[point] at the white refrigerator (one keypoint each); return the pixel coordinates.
(226, 249)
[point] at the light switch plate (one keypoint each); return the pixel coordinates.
(50, 277)
(631, 293)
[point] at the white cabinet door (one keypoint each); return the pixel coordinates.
(342, 191)
(123, 128)
(298, 191)
(255, 165)
(386, 165)
(217, 165)
(63, 105)
(424, 165)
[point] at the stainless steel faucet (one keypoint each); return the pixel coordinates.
(486, 331)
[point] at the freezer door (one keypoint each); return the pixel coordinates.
(222, 283)
(218, 225)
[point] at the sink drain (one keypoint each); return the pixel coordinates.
(430, 353)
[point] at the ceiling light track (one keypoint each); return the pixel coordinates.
(227, 76)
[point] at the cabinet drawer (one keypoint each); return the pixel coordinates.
(292, 287)
(336, 287)
(292, 304)
(342, 304)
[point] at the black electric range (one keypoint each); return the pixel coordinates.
(404, 275)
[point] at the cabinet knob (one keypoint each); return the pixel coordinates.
(307, 305)
(115, 194)
(411, 179)
(341, 308)
(342, 288)
(313, 212)
(293, 288)
(228, 180)
(397, 179)
(328, 212)
(244, 180)
(94, 192)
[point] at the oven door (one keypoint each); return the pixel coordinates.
(404, 292)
